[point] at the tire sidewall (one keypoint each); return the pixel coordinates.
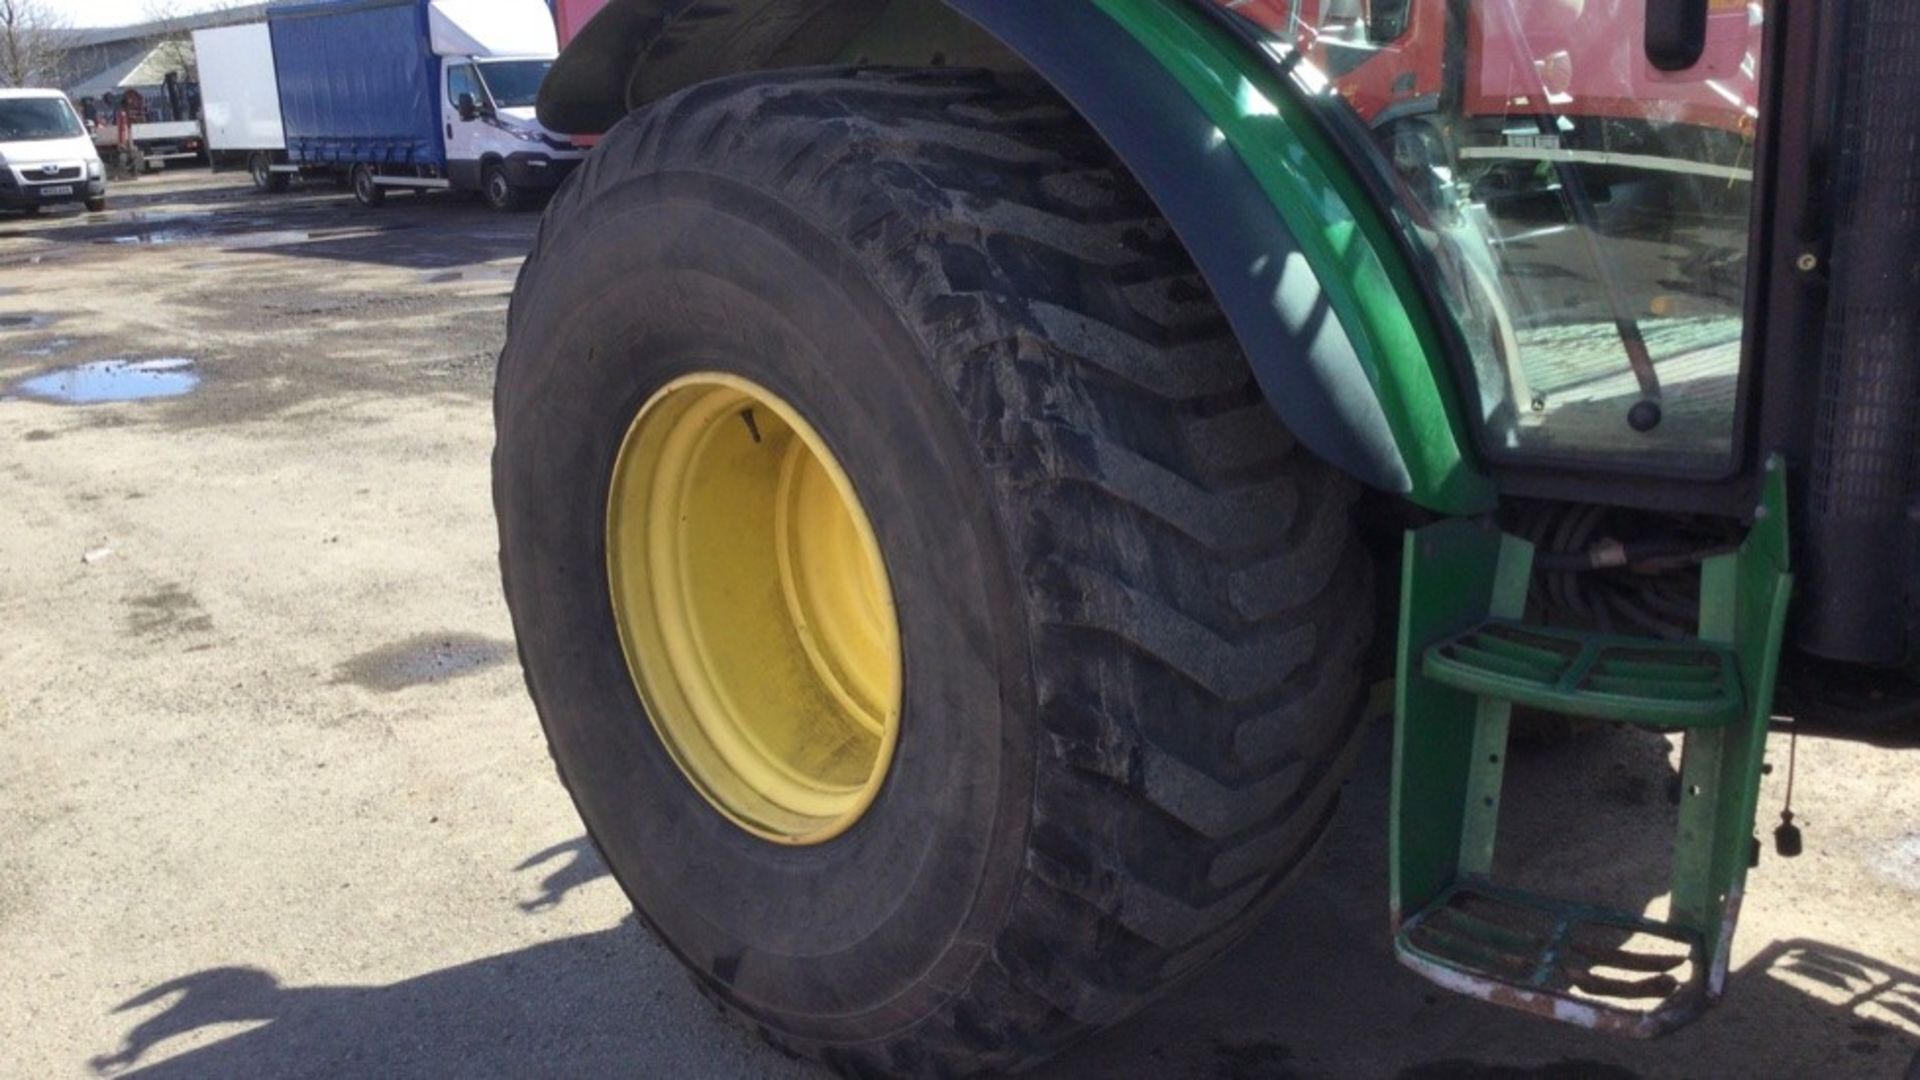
(365, 191)
(498, 191)
(868, 934)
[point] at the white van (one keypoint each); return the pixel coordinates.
(46, 155)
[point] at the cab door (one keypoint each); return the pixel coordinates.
(1584, 191)
(464, 129)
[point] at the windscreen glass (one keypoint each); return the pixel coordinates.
(32, 119)
(515, 83)
(1586, 209)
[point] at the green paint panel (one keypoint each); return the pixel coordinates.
(1744, 603)
(1345, 238)
(1452, 575)
(1481, 824)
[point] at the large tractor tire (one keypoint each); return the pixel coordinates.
(942, 640)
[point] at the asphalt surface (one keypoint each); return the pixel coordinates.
(273, 801)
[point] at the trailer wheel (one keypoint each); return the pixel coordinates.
(938, 633)
(365, 191)
(500, 192)
(265, 180)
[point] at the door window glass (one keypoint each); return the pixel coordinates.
(462, 80)
(1587, 211)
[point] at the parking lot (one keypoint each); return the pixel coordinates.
(273, 801)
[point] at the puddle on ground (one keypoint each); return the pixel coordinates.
(47, 348)
(272, 238)
(245, 240)
(149, 238)
(112, 380)
(472, 273)
(418, 661)
(167, 215)
(151, 227)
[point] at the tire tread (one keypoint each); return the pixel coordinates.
(1192, 580)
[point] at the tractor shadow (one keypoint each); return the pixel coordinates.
(1313, 992)
(568, 866)
(599, 1004)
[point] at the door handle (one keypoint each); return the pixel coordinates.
(1676, 33)
(449, 131)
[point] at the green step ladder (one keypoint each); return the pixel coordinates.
(1466, 659)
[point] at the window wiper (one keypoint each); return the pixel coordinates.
(1645, 414)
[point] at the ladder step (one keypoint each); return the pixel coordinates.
(1602, 969)
(1661, 684)
(1453, 711)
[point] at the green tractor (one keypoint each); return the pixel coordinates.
(962, 466)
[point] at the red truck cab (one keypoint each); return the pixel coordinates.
(572, 16)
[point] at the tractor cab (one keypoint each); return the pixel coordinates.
(1665, 249)
(1585, 212)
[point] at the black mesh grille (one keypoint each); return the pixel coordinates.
(1867, 447)
(1864, 512)
(1869, 429)
(1880, 132)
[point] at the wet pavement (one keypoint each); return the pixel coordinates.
(238, 219)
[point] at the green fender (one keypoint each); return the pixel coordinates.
(1304, 260)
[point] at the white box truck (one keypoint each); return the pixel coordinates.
(411, 95)
(240, 103)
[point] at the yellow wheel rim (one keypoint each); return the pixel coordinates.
(754, 608)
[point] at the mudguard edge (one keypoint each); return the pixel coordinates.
(1340, 340)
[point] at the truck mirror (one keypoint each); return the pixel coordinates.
(469, 110)
(1387, 20)
(1342, 12)
(1676, 34)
